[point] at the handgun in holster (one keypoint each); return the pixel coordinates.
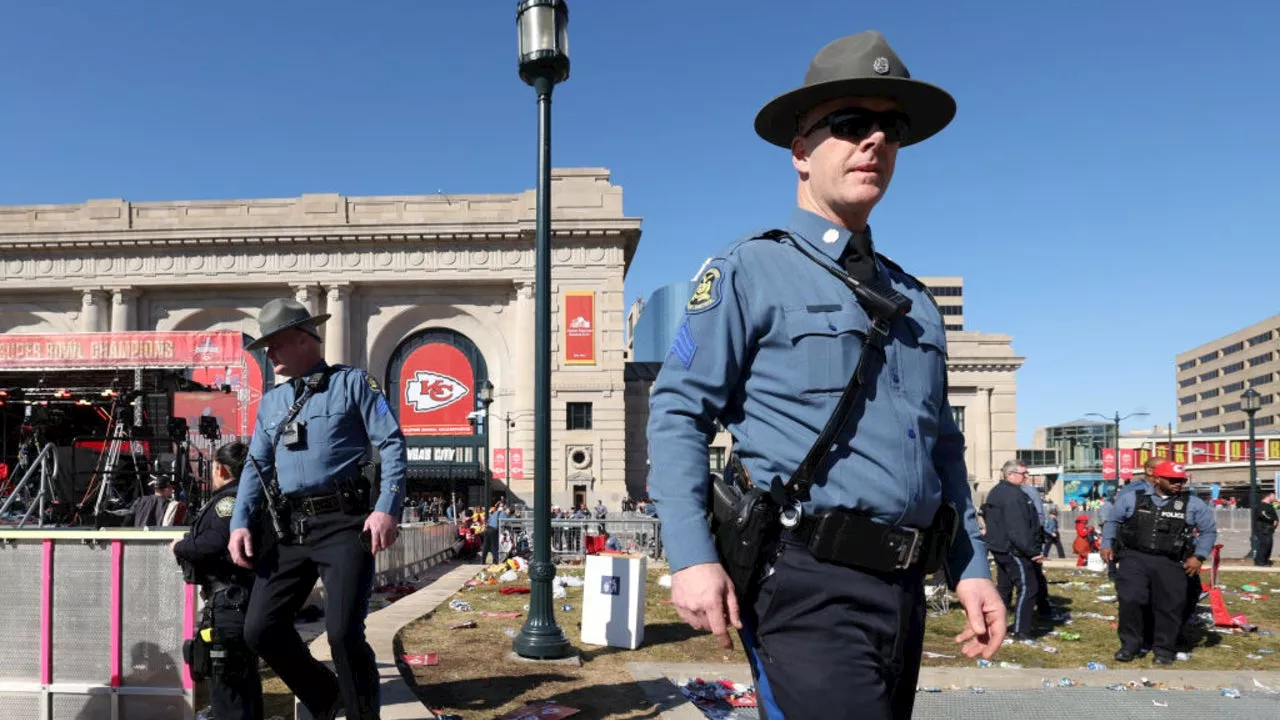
(744, 519)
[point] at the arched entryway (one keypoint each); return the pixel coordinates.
(433, 379)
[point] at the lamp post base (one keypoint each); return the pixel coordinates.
(541, 637)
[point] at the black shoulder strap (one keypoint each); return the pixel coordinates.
(802, 479)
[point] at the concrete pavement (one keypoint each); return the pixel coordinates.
(1019, 693)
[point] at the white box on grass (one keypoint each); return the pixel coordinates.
(613, 597)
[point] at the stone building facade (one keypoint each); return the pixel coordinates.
(399, 275)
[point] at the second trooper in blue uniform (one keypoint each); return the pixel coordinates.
(336, 529)
(768, 342)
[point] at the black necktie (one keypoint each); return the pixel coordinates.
(298, 385)
(859, 258)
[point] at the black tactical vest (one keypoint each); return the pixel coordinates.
(1159, 530)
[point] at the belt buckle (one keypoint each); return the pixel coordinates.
(913, 550)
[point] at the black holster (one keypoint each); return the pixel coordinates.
(743, 522)
(198, 655)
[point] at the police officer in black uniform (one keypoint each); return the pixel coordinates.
(1159, 538)
(235, 689)
(1015, 538)
(1265, 521)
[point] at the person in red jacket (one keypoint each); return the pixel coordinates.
(1086, 541)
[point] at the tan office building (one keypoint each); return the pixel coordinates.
(1212, 377)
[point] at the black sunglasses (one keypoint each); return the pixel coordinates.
(857, 124)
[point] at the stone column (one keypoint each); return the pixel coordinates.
(984, 472)
(335, 336)
(93, 310)
(308, 295)
(124, 309)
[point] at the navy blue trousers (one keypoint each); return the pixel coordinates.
(816, 632)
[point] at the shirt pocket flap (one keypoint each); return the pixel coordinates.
(933, 337)
(805, 322)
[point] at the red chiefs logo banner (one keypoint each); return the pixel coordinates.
(1108, 463)
(580, 328)
(1126, 464)
(500, 463)
(438, 384)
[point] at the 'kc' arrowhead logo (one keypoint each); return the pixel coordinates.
(429, 391)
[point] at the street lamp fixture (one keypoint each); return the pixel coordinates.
(1116, 420)
(542, 29)
(484, 393)
(1251, 403)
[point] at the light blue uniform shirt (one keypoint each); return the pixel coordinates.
(1036, 500)
(767, 345)
(1198, 514)
(342, 419)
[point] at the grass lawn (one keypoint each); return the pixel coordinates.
(1098, 640)
(475, 678)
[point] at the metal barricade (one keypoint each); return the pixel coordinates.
(93, 621)
(636, 534)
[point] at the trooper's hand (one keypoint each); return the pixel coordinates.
(241, 548)
(703, 596)
(382, 531)
(984, 632)
(1108, 555)
(1192, 566)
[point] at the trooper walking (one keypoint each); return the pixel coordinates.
(235, 687)
(1159, 538)
(778, 324)
(1015, 538)
(311, 437)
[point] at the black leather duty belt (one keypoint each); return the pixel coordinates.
(856, 541)
(311, 505)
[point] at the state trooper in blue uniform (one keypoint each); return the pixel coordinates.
(769, 340)
(1160, 537)
(235, 688)
(330, 527)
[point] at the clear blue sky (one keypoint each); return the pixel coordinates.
(1108, 189)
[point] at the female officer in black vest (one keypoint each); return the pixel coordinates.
(235, 689)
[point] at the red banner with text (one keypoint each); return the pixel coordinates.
(437, 383)
(1108, 463)
(579, 328)
(20, 351)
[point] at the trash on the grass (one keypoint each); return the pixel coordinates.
(1252, 656)
(1267, 633)
(566, 608)
(424, 660)
(464, 625)
(1010, 665)
(1070, 636)
(1230, 693)
(1049, 649)
(510, 632)
(664, 581)
(936, 656)
(503, 615)
(929, 689)
(1183, 656)
(460, 605)
(1095, 666)
(1067, 682)
(1106, 598)
(1249, 588)
(508, 576)
(984, 663)
(514, 591)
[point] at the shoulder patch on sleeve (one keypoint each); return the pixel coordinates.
(225, 506)
(373, 384)
(708, 292)
(683, 345)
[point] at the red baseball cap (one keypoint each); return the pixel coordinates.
(1170, 470)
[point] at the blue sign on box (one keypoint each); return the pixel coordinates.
(610, 585)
